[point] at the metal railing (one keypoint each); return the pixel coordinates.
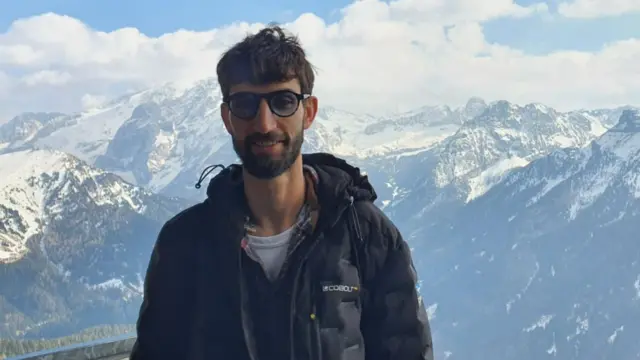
(115, 348)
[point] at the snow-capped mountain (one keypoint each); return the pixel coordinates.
(24, 127)
(506, 207)
(544, 265)
(420, 129)
(609, 117)
(465, 165)
(161, 138)
(74, 243)
(509, 136)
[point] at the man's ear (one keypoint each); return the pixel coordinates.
(225, 114)
(310, 106)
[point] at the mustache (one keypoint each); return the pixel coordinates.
(270, 136)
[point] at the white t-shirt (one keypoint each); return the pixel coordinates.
(271, 250)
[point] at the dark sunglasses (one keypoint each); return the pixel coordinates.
(245, 105)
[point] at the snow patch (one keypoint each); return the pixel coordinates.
(480, 184)
(32, 183)
(541, 323)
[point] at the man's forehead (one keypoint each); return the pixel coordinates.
(293, 85)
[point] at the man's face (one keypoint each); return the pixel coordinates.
(268, 142)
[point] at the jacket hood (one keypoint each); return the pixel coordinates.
(335, 179)
(338, 179)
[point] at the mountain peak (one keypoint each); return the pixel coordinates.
(506, 136)
(39, 185)
(26, 179)
(622, 140)
(475, 101)
(474, 107)
(24, 126)
(629, 122)
(146, 110)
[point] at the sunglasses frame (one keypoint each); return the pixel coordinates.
(266, 96)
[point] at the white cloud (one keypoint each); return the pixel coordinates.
(597, 8)
(89, 101)
(378, 57)
(47, 77)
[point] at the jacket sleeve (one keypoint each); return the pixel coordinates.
(394, 323)
(163, 319)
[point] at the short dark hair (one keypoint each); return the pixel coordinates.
(263, 58)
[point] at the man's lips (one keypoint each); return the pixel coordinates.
(266, 146)
(265, 143)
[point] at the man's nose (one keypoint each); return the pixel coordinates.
(265, 120)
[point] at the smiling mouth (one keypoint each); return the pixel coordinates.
(266, 144)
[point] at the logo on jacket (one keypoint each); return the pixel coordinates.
(341, 288)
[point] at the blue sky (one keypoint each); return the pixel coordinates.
(543, 35)
(157, 17)
(534, 35)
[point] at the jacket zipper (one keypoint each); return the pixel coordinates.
(243, 310)
(316, 347)
(316, 237)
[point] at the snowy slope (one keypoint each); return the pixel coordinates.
(509, 136)
(482, 152)
(23, 195)
(36, 188)
(22, 128)
(548, 257)
(420, 129)
(161, 138)
(74, 243)
(471, 188)
(87, 135)
(611, 164)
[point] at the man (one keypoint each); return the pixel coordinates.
(288, 257)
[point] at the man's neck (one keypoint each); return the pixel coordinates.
(275, 203)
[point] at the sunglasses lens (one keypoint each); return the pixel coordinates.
(284, 104)
(244, 105)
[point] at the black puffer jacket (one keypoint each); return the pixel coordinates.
(196, 302)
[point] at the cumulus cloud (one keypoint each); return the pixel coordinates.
(379, 57)
(90, 101)
(47, 77)
(597, 8)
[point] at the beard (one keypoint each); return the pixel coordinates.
(268, 166)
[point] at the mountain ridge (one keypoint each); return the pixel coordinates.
(75, 242)
(549, 253)
(518, 216)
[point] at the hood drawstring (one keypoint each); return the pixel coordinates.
(357, 247)
(208, 170)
